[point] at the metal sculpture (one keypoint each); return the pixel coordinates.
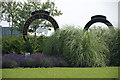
(98, 18)
(41, 14)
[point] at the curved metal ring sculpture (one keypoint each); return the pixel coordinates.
(98, 18)
(41, 14)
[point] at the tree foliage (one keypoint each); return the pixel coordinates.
(16, 13)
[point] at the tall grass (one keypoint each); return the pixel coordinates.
(78, 47)
(112, 39)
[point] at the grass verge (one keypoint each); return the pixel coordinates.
(99, 72)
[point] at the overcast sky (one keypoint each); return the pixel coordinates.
(79, 12)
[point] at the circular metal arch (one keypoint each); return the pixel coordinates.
(98, 18)
(35, 17)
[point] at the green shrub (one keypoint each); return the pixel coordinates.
(38, 43)
(5, 45)
(12, 45)
(19, 46)
(78, 47)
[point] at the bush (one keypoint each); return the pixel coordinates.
(12, 45)
(42, 60)
(34, 60)
(7, 63)
(38, 43)
(78, 48)
(12, 56)
(27, 62)
(61, 63)
(18, 46)
(11, 60)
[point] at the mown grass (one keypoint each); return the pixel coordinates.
(99, 72)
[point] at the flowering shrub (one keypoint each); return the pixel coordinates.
(15, 57)
(34, 60)
(11, 60)
(42, 60)
(27, 62)
(7, 63)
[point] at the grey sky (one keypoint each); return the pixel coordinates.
(79, 12)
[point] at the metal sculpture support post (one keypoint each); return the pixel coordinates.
(98, 18)
(41, 14)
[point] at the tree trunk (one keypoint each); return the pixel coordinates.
(12, 27)
(35, 30)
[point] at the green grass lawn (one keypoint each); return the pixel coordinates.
(103, 72)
